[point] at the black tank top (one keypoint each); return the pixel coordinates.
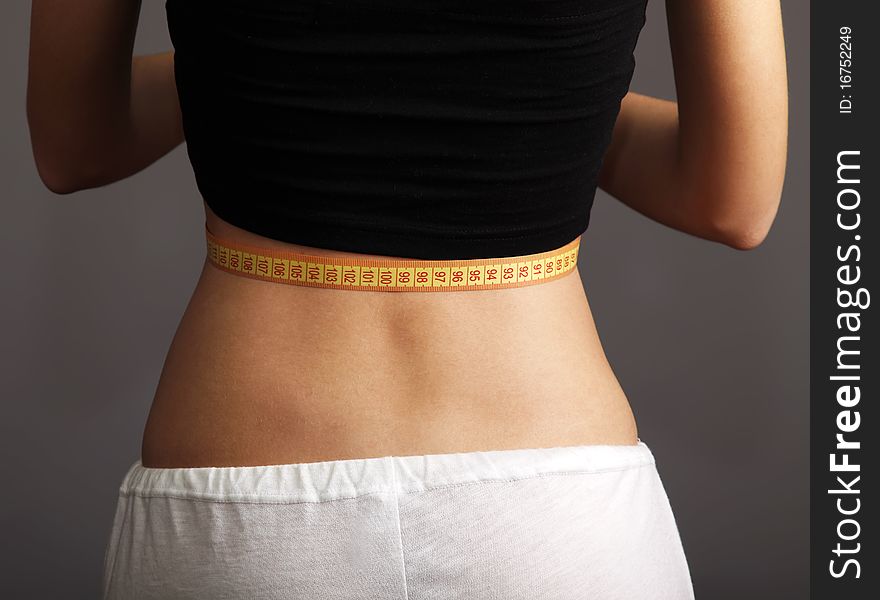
(431, 129)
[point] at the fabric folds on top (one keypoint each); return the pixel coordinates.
(431, 129)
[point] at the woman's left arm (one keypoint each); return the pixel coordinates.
(711, 164)
(96, 114)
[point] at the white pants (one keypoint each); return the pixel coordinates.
(563, 523)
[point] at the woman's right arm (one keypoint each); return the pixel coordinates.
(712, 163)
(96, 113)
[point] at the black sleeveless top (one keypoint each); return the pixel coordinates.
(427, 129)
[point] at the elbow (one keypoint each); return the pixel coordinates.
(57, 180)
(744, 217)
(748, 226)
(54, 167)
(69, 169)
(737, 198)
(747, 238)
(52, 163)
(64, 172)
(63, 162)
(746, 232)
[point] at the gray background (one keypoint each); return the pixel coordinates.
(709, 343)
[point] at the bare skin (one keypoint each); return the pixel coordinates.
(263, 373)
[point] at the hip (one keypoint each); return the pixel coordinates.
(548, 523)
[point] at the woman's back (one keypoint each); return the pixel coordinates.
(263, 373)
(443, 130)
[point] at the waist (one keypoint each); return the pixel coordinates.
(353, 272)
(265, 373)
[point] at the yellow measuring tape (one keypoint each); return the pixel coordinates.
(391, 275)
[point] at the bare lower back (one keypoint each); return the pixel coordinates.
(266, 373)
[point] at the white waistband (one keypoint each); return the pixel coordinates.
(339, 479)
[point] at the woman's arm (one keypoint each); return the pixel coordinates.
(711, 164)
(96, 114)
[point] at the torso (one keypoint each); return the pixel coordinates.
(264, 373)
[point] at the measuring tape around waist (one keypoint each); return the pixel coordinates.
(390, 275)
